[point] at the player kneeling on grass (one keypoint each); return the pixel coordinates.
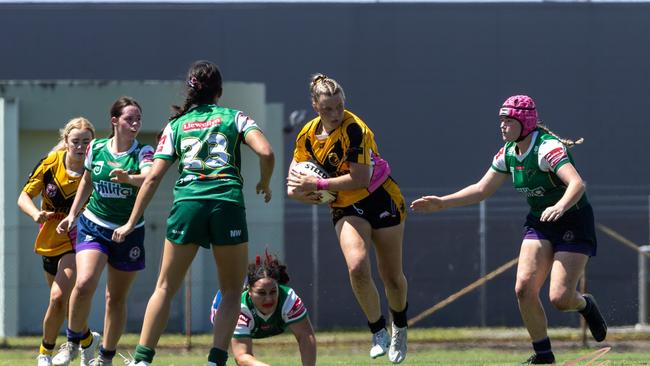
(560, 236)
(268, 307)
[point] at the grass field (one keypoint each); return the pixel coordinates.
(448, 346)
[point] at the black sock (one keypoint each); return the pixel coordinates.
(378, 325)
(399, 317)
(218, 356)
(543, 346)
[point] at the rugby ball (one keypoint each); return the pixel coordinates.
(315, 170)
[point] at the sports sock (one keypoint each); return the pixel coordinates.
(106, 354)
(218, 356)
(75, 337)
(86, 339)
(543, 346)
(399, 317)
(378, 325)
(143, 353)
(46, 348)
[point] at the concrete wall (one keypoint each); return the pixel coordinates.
(44, 107)
(428, 78)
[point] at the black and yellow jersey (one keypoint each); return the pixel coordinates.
(57, 188)
(351, 142)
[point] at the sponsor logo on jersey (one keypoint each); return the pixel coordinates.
(50, 190)
(189, 126)
(534, 192)
(243, 320)
(114, 164)
(179, 232)
(555, 156)
(296, 310)
(235, 233)
(134, 253)
(112, 190)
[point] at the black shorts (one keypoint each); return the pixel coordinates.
(573, 232)
(51, 264)
(384, 207)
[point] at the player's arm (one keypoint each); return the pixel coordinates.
(256, 140)
(469, 195)
(304, 333)
(242, 349)
(146, 192)
(575, 188)
(26, 205)
(84, 191)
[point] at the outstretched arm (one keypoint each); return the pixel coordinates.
(260, 145)
(469, 195)
(575, 188)
(304, 333)
(146, 192)
(242, 349)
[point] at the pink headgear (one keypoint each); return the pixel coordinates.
(521, 108)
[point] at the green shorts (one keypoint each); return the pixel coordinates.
(205, 222)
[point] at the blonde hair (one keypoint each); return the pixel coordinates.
(323, 85)
(566, 142)
(80, 123)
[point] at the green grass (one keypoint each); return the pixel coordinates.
(433, 346)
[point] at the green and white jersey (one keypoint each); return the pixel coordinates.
(254, 324)
(534, 172)
(111, 203)
(207, 142)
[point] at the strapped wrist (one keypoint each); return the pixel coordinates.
(322, 184)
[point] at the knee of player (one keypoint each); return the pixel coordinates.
(525, 290)
(562, 300)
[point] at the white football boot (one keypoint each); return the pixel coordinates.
(397, 350)
(380, 343)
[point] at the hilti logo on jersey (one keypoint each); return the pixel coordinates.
(555, 156)
(297, 310)
(535, 192)
(112, 190)
(201, 125)
(244, 320)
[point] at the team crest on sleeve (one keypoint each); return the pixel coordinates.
(243, 321)
(555, 156)
(499, 153)
(297, 309)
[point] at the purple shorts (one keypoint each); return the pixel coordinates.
(127, 256)
(573, 232)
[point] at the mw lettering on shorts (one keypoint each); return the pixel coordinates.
(235, 233)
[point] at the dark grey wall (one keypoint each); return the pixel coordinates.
(428, 78)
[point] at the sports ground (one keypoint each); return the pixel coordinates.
(427, 346)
